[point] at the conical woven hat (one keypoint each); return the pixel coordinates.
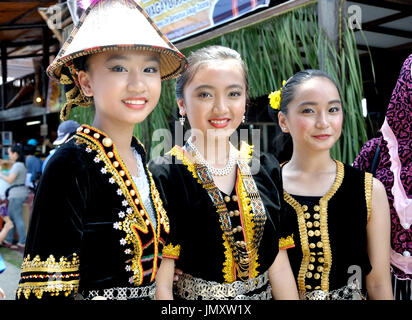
(117, 25)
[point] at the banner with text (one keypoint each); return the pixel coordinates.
(178, 19)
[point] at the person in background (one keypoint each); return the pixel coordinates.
(7, 225)
(17, 194)
(65, 130)
(33, 163)
(389, 158)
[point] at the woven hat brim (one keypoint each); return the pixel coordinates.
(113, 25)
(172, 63)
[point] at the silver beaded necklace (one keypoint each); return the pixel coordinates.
(215, 171)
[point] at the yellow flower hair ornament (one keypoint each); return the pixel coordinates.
(275, 97)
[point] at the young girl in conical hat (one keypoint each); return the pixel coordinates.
(98, 223)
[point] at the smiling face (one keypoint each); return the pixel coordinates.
(215, 99)
(125, 85)
(314, 115)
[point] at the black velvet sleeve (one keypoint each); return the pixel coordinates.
(276, 205)
(52, 256)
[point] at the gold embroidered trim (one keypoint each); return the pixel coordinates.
(48, 270)
(52, 287)
(303, 240)
(229, 267)
(50, 265)
(171, 251)
(323, 204)
(245, 151)
(135, 220)
(162, 219)
(286, 243)
(101, 153)
(248, 225)
(180, 154)
(368, 193)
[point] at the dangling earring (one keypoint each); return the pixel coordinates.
(243, 119)
(182, 120)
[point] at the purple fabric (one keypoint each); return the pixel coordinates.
(3, 209)
(399, 119)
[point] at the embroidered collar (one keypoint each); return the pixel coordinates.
(135, 218)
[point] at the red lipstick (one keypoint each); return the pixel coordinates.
(219, 123)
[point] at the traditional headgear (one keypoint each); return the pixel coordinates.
(111, 25)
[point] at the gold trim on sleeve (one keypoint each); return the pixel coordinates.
(180, 154)
(171, 251)
(286, 243)
(49, 276)
(52, 287)
(50, 265)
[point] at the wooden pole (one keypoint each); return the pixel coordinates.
(45, 61)
(328, 21)
(3, 75)
(45, 80)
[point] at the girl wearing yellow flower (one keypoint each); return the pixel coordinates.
(339, 215)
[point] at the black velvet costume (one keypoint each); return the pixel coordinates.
(89, 230)
(197, 240)
(330, 234)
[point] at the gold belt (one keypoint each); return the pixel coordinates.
(192, 288)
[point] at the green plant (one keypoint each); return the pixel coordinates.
(273, 51)
(277, 48)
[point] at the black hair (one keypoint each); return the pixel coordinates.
(80, 63)
(19, 150)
